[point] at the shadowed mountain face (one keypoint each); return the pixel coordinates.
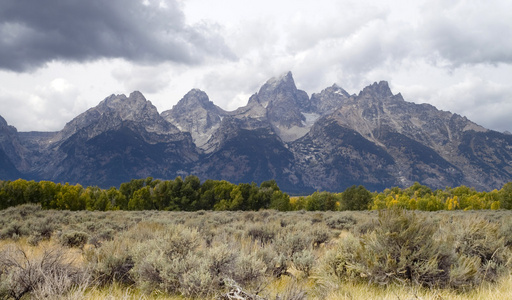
(327, 142)
(120, 139)
(13, 155)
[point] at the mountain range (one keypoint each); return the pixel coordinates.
(327, 141)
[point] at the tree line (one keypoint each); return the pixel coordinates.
(190, 194)
(187, 194)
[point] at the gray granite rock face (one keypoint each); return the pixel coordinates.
(328, 141)
(196, 114)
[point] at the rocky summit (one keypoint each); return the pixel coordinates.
(328, 141)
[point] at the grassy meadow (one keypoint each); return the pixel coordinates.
(388, 254)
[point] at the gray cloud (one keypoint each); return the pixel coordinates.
(431, 51)
(150, 79)
(33, 33)
(46, 108)
(482, 101)
(467, 32)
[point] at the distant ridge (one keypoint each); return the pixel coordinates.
(328, 141)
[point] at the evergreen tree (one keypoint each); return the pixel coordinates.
(355, 198)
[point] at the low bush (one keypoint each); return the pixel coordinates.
(482, 241)
(45, 228)
(112, 262)
(164, 262)
(197, 254)
(304, 261)
(407, 248)
(249, 270)
(48, 275)
(14, 230)
(319, 235)
(341, 222)
(289, 243)
(76, 239)
(261, 233)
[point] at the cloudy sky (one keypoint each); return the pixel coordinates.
(60, 57)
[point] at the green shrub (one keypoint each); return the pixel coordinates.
(45, 228)
(262, 233)
(197, 282)
(405, 248)
(364, 227)
(289, 243)
(318, 235)
(163, 263)
(249, 270)
(355, 198)
(112, 262)
(276, 263)
(481, 239)
(221, 260)
(178, 241)
(304, 261)
(401, 249)
(340, 222)
(14, 230)
(76, 239)
(155, 272)
(506, 232)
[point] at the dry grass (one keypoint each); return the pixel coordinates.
(487, 291)
(139, 229)
(340, 291)
(119, 292)
(312, 288)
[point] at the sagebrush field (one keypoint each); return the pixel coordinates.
(389, 254)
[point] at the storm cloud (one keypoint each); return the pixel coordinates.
(456, 55)
(33, 33)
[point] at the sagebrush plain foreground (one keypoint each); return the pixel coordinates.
(263, 255)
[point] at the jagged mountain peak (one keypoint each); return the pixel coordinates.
(113, 112)
(197, 115)
(338, 90)
(135, 102)
(328, 100)
(283, 79)
(253, 109)
(281, 88)
(4, 126)
(134, 108)
(329, 142)
(377, 90)
(285, 105)
(194, 98)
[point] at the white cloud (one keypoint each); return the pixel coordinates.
(150, 79)
(468, 32)
(455, 55)
(43, 109)
(485, 102)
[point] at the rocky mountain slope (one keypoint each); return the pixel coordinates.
(328, 141)
(12, 153)
(197, 115)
